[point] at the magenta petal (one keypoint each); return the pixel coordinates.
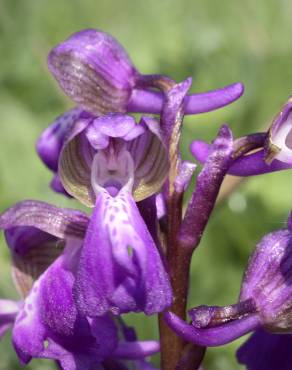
(200, 150)
(21, 239)
(215, 336)
(152, 102)
(247, 165)
(136, 350)
(48, 308)
(112, 126)
(68, 360)
(8, 312)
(120, 268)
(254, 164)
(58, 187)
(60, 222)
(49, 314)
(211, 100)
(50, 142)
(265, 351)
(56, 305)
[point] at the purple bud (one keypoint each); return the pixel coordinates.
(280, 136)
(185, 173)
(94, 70)
(268, 280)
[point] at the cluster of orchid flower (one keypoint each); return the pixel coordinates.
(78, 274)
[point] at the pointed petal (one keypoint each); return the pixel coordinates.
(114, 126)
(68, 360)
(120, 268)
(266, 351)
(184, 176)
(8, 312)
(247, 165)
(215, 336)
(49, 326)
(200, 150)
(144, 365)
(32, 251)
(254, 164)
(48, 308)
(50, 142)
(148, 211)
(146, 101)
(136, 350)
(56, 306)
(58, 187)
(60, 222)
(215, 99)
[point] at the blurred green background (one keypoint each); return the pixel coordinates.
(215, 42)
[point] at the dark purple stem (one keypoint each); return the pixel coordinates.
(207, 188)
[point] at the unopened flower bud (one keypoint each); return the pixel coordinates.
(94, 70)
(268, 280)
(280, 136)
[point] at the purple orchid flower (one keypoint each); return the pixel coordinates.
(265, 302)
(120, 268)
(103, 162)
(95, 71)
(46, 323)
(274, 149)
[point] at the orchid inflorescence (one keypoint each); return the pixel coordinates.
(78, 274)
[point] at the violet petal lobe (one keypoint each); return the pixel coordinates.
(215, 336)
(267, 280)
(32, 251)
(49, 326)
(120, 268)
(94, 70)
(247, 165)
(136, 349)
(57, 186)
(147, 101)
(50, 142)
(266, 351)
(8, 312)
(60, 222)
